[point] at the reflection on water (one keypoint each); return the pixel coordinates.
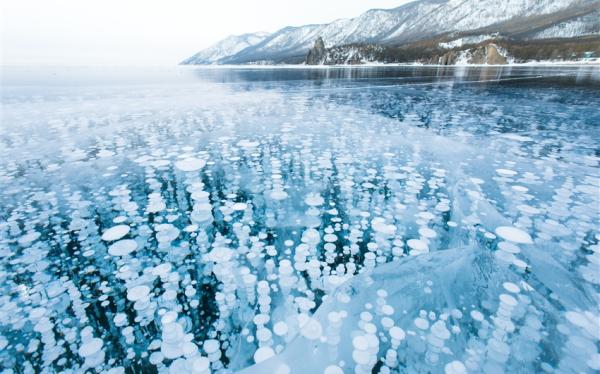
(586, 75)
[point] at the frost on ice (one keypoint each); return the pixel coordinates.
(294, 232)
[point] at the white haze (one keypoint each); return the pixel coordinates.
(148, 32)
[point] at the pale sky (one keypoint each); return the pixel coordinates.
(148, 32)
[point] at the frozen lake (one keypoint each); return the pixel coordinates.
(295, 220)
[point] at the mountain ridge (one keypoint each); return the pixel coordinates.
(414, 22)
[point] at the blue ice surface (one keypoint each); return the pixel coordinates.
(300, 220)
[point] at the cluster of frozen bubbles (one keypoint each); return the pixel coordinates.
(268, 235)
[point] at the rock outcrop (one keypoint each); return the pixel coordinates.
(487, 55)
(316, 55)
(448, 58)
(493, 55)
(483, 55)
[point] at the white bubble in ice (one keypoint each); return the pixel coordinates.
(115, 233)
(397, 333)
(514, 235)
(417, 245)
(314, 199)
(278, 194)
(248, 144)
(379, 225)
(239, 206)
(333, 369)
(211, 346)
(455, 367)
(506, 172)
(586, 322)
(528, 209)
(361, 357)
(263, 353)
(90, 347)
(138, 293)
(220, 254)
(360, 342)
(280, 328)
(511, 287)
(190, 164)
(162, 269)
(518, 188)
(508, 247)
(421, 323)
(477, 315)
(508, 300)
(426, 216)
(428, 233)
(29, 238)
(200, 364)
(311, 329)
(122, 247)
(119, 219)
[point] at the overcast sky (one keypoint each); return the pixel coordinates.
(148, 32)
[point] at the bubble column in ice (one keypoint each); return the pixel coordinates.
(242, 233)
(313, 214)
(527, 339)
(397, 335)
(580, 352)
(224, 265)
(77, 304)
(335, 320)
(277, 192)
(301, 254)
(362, 354)
(91, 349)
(330, 247)
(475, 353)
(287, 279)
(51, 351)
(249, 281)
(175, 343)
(264, 336)
(436, 338)
(589, 269)
(201, 214)
(165, 234)
(365, 343)
(312, 238)
(416, 343)
(383, 233)
(171, 284)
(139, 294)
(498, 349)
(212, 347)
(264, 300)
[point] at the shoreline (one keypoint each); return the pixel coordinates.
(595, 62)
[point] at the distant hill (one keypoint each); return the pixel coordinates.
(425, 31)
(226, 48)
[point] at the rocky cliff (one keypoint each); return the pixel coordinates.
(496, 51)
(489, 54)
(316, 56)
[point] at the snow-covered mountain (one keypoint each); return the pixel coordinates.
(225, 48)
(415, 21)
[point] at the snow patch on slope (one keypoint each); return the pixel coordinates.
(456, 43)
(585, 25)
